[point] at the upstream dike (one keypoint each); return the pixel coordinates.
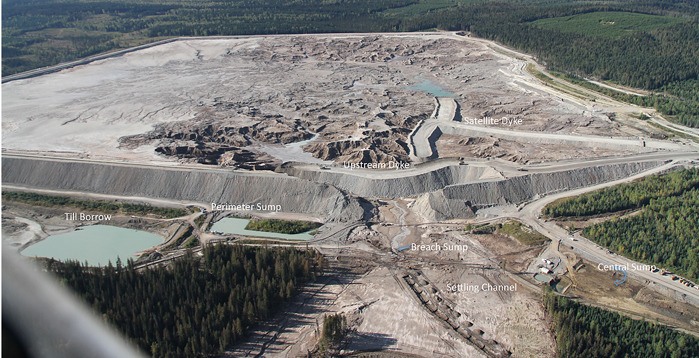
(461, 200)
(185, 184)
(400, 187)
(445, 193)
(480, 185)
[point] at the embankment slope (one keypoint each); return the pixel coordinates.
(204, 186)
(460, 200)
(399, 187)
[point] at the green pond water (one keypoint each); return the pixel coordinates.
(431, 88)
(96, 244)
(236, 226)
(559, 287)
(542, 277)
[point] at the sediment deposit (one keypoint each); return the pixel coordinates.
(359, 97)
(459, 125)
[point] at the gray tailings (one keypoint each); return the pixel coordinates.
(459, 201)
(446, 193)
(397, 187)
(203, 186)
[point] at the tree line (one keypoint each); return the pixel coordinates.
(333, 333)
(677, 99)
(197, 306)
(282, 226)
(664, 60)
(665, 231)
(585, 331)
(625, 196)
(102, 206)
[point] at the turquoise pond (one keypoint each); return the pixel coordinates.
(236, 226)
(432, 88)
(96, 244)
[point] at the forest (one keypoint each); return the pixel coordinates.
(333, 332)
(656, 47)
(101, 206)
(625, 196)
(665, 231)
(197, 306)
(282, 226)
(585, 331)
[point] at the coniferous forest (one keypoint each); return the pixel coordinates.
(657, 49)
(198, 306)
(626, 196)
(665, 231)
(282, 226)
(585, 331)
(96, 205)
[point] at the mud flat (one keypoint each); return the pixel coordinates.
(202, 186)
(359, 96)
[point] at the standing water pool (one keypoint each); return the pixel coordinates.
(96, 244)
